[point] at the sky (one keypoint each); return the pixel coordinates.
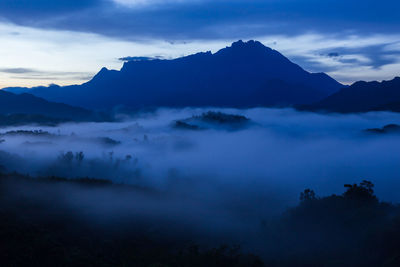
(68, 41)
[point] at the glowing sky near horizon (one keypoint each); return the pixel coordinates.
(67, 42)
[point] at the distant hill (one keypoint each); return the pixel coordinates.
(245, 74)
(25, 108)
(213, 120)
(362, 97)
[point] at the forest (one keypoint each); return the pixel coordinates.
(38, 228)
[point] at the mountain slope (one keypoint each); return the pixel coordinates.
(243, 75)
(362, 97)
(24, 103)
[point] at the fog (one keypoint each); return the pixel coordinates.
(282, 150)
(216, 176)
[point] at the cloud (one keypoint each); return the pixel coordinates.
(203, 19)
(145, 3)
(359, 57)
(17, 70)
(45, 6)
(333, 54)
(323, 151)
(46, 76)
(364, 36)
(139, 58)
(35, 72)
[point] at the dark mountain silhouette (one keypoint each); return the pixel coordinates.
(362, 97)
(245, 74)
(29, 107)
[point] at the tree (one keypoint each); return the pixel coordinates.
(67, 157)
(307, 195)
(363, 191)
(79, 156)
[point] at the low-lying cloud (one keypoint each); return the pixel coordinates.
(219, 183)
(283, 151)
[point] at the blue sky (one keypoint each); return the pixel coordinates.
(67, 41)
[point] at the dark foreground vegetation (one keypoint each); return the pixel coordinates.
(351, 229)
(34, 232)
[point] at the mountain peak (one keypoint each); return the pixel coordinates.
(103, 70)
(251, 51)
(248, 44)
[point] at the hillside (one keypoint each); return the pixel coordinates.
(362, 97)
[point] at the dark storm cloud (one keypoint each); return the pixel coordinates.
(204, 19)
(44, 6)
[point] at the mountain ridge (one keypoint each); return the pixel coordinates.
(361, 96)
(30, 107)
(245, 74)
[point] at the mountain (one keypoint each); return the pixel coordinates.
(23, 107)
(362, 97)
(245, 74)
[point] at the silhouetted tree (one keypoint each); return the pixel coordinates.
(79, 156)
(67, 157)
(362, 192)
(307, 195)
